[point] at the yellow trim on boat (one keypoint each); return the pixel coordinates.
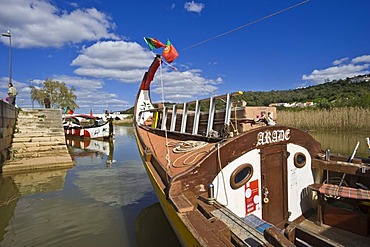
(155, 119)
(182, 232)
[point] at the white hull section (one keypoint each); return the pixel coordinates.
(237, 199)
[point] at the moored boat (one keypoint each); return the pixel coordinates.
(231, 177)
(86, 126)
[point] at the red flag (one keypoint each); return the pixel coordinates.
(153, 43)
(169, 53)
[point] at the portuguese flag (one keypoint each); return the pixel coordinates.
(153, 43)
(68, 110)
(169, 52)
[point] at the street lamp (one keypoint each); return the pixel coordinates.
(7, 34)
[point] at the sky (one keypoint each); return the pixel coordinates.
(224, 46)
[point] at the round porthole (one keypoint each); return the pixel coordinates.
(300, 160)
(241, 175)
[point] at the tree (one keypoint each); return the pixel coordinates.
(57, 92)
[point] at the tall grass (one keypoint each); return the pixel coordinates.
(336, 119)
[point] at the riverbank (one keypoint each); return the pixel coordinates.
(335, 119)
(123, 122)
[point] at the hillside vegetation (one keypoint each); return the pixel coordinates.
(341, 93)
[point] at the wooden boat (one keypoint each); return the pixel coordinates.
(230, 177)
(86, 126)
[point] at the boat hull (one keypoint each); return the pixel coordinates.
(181, 230)
(104, 131)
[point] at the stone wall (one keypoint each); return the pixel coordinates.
(8, 117)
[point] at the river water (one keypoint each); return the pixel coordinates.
(105, 200)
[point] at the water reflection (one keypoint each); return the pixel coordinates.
(150, 227)
(343, 142)
(91, 148)
(91, 204)
(8, 200)
(95, 204)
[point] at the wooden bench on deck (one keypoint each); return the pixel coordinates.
(352, 221)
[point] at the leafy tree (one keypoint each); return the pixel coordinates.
(57, 92)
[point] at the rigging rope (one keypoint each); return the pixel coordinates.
(223, 34)
(168, 159)
(187, 77)
(222, 173)
(245, 25)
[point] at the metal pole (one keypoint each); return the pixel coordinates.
(10, 59)
(7, 34)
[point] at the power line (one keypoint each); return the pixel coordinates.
(245, 25)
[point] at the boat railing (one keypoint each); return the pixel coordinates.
(168, 117)
(210, 117)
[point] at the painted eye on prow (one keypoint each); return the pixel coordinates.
(300, 160)
(241, 175)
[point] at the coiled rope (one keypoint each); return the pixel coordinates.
(188, 146)
(188, 149)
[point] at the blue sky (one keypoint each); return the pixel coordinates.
(98, 47)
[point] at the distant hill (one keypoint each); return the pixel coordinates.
(338, 93)
(128, 111)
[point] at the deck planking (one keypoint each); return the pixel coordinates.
(340, 236)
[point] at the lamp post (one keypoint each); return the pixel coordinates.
(7, 34)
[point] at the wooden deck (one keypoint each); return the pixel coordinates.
(343, 237)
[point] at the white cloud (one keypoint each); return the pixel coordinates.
(79, 82)
(180, 87)
(39, 23)
(341, 71)
(339, 61)
(128, 61)
(119, 60)
(90, 93)
(362, 59)
(125, 62)
(194, 7)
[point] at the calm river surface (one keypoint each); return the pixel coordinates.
(105, 200)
